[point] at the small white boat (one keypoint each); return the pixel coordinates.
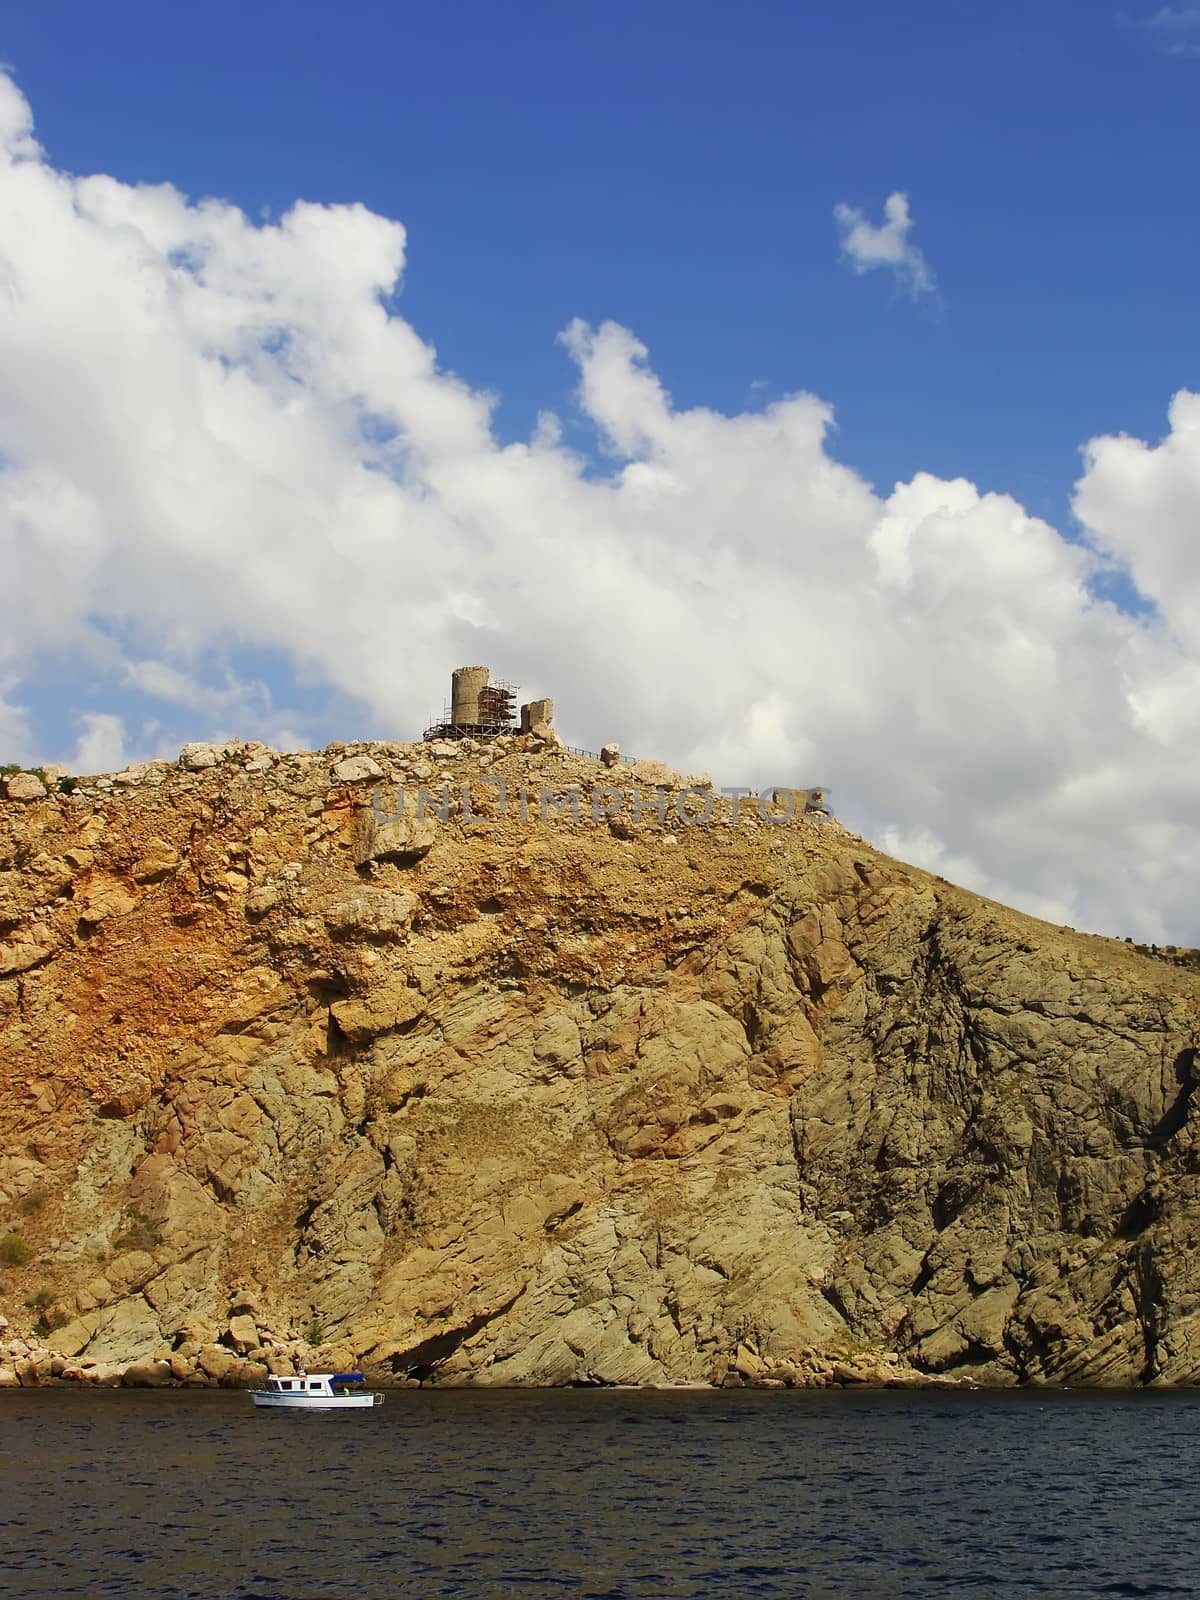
(317, 1391)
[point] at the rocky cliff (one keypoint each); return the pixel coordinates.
(512, 1099)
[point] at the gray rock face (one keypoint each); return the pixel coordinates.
(1011, 1129)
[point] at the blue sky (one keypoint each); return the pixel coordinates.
(675, 166)
(236, 498)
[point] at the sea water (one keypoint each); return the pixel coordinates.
(609, 1494)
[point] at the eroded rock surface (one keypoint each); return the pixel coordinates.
(555, 1095)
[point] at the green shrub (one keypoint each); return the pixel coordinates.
(1173, 955)
(63, 785)
(15, 1251)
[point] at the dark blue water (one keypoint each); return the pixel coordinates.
(606, 1494)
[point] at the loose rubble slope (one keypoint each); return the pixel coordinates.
(555, 1101)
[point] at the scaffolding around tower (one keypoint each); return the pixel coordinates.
(478, 708)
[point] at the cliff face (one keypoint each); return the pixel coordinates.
(545, 1102)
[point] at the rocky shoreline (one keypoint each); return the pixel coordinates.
(28, 1363)
(248, 1351)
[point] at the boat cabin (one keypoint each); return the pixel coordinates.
(325, 1383)
(317, 1391)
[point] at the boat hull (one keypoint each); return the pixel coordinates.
(316, 1402)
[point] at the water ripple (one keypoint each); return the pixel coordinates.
(512, 1495)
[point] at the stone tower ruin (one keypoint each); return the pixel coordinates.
(482, 709)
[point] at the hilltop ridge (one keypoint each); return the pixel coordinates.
(519, 1098)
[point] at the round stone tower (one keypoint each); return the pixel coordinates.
(467, 684)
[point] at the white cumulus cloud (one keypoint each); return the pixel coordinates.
(889, 244)
(1174, 29)
(101, 745)
(218, 442)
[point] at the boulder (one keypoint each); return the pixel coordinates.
(25, 786)
(195, 757)
(243, 1333)
(261, 899)
(105, 1372)
(217, 1362)
(158, 861)
(26, 952)
(194, 1334)
(402, 839)
(610, 754)
(398, 1088)
(748, 1364)
(392, 1005)
(103, 898)
(375, 914)
(131, 1097)
(655, 773)
(147, 1375)
(356, 769)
